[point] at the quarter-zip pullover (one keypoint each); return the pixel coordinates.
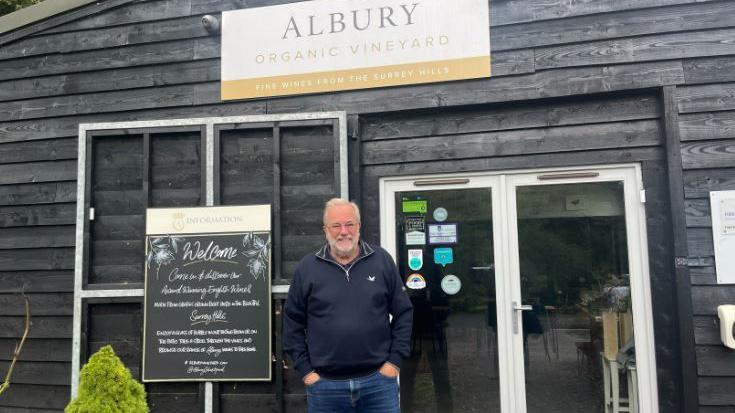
(336, 318)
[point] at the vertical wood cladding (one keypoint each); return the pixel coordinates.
(143, 60)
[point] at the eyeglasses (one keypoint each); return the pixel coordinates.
(337, 227)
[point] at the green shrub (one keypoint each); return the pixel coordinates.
(106, 386)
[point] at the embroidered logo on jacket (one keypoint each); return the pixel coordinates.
(371, 278)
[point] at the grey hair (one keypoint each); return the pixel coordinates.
(339, 202)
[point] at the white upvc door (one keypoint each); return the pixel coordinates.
(563, 239)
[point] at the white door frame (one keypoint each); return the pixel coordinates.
(503, 184)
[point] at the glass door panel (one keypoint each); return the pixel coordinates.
(444, 250)
(578, 340)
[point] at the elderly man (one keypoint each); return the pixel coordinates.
(337, 328)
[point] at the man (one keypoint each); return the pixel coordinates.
(337, 328)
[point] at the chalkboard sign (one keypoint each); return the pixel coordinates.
(207, 294)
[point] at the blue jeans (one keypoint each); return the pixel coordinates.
(374, 393)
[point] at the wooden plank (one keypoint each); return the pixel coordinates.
(257, 403)
(698, 183)
(699, 241)
(628, 23)
(69, 126)
(637, 49)
(698, 213)
(709, 70)
(512, 63)
(28, 172)
(46, 150)
(127, 14)
(118, 227)
(173, 402)
(47, 304)
(522, 11)
(37, 349)
(705, 299)
(703, 275)
(708, 154)
(119, 57)
(35, 396)
(37, 259)
(538, 140)
(119, 202)
(144, 32)
(715, 409)
(154, 97)
(182, 197)
(505, 117)
(715, 361)
(707, 126)
(120, 273)
(32, 215)
(704, 98)
(42, 327)
(45, 372)
(179, 95)
(36, 281)
(706, 330)
(545, 84)
(38, 237)
(38, 193)
(116, 252)
(717, 391)
(115, 79)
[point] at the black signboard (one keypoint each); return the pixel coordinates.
(207, 307)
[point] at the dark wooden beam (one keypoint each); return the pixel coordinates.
(690, 399)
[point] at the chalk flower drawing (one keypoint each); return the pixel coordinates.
(161, 251)
(257, 249)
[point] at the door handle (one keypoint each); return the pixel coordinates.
(486, 268)
(517, 309)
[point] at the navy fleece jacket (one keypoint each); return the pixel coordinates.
(336, 318)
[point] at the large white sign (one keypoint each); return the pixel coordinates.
(332, 45)
(722, 204)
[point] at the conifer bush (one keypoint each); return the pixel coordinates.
(106, 386)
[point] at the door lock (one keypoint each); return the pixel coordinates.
(517, 309)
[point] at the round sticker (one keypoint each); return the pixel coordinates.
(451, 284)
(440, 214)
(416, 281)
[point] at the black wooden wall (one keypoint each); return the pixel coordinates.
(574, 83)
(706, 119)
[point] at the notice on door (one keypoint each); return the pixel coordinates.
(207, 294)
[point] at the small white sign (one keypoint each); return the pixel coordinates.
(415, 238)
(440, 214)
(451, 284)
(723, 234)
(442, 233)
(415, 259)
(416, 282)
